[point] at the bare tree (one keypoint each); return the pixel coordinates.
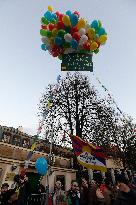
(78, 108)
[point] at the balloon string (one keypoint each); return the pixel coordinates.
(114, 102)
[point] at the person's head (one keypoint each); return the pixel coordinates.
(12, 196)
(107, 182)
(122, 183)
(74, 186)
(58, 185)
(93, 182)
(4, 188)
(84, 182)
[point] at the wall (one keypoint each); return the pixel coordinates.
(8, 174)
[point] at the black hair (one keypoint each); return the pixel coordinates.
(5, 184)
(17, 178)
(121, 178)
(73, 181)
(10, 193)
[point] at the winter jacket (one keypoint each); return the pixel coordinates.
(73, 198)
(126, 198)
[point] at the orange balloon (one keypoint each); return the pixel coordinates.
(93, 46)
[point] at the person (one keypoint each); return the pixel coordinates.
(41, 189)
(16, 181)
(134, 182)
(108, 192)
(85, 192)
(23, 190)
(126, 195)
(12, 198)
(73, 195)
(3, 195)
(99, 194)
(92, 193)
(59, 196)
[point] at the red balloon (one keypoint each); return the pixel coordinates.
(73, 30)
(60, 17)
(77, 13)
(51, 26)
(54, 48)
(86, 46)
(57, 13)
(60, 25)
(76, 36)
(55, 54)
(56, 51)
(43, 27)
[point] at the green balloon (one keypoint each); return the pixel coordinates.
(96, 51)
(61, 33)
(49, 34)
(43, 32)
(60, 57)
(66, 45)
(44, 21)
(53, 21)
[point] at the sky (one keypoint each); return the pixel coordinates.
(25, 70)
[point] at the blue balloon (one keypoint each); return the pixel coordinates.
(41, 166)
(67, 29)
(101, 31)
(69, 13)
(95, 24)
(58, 41)
(54, 16)
(48, 15)
(43, 47)
(74, 44)
(74, 19)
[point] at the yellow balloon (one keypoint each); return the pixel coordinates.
(102, 39)
(54, 32)
(91, 33)
(66, 20)
(81, 24)
(51, 40)
(93, 46)
(50, 8)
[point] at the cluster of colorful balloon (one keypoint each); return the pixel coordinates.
(68, 33)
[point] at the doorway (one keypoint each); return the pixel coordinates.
(34, 181)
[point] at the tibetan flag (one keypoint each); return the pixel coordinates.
(89, 156)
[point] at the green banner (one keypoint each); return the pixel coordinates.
(77, 62)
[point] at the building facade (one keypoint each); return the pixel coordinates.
(14, 148)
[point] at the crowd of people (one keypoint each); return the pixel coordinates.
(85, 193)
(97, 193)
